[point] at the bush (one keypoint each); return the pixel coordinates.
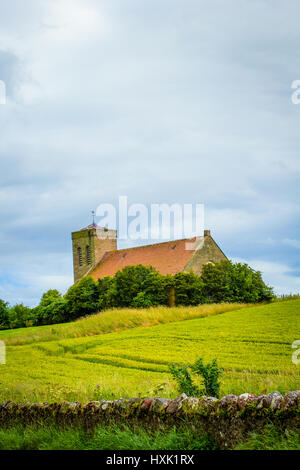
(210, 374)
(229, 282)
(188, 289)
(82, 299)
(134, 280)
(107, 293)
(52, 308)
(4, 312)
(142, 300)
(20, 316)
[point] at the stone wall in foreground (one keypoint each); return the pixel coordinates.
(228, 420)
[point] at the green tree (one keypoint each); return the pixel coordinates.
(82, 299)
(134, 280)
(52, 308)
(107, 293)
(234, 282)
(188, 289)
(21, 316)
(4, 313)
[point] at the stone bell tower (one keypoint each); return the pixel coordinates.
(89, 246)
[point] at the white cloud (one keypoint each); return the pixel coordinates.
(165, 102)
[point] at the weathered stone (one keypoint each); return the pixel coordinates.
(176, 404)
(229, 402)
(291, 399)
(221, 417)
(276, 401)
(245, 399)
(263, 402)
(146, 404)
(272, 400)
(208, 402)
(159, 404)
(190, 404)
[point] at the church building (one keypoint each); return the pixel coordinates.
(95, 253)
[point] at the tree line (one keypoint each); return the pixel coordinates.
(141, 287)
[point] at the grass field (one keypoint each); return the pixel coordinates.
(125, 438)
(67, 362)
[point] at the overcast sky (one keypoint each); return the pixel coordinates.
(164, 101)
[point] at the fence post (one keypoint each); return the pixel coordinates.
(172, 301)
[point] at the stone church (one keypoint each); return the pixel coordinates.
(95, 253)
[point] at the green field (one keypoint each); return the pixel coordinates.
(67, 362)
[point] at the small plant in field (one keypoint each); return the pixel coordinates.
(209, 373)
(100, 393)
(155, 391)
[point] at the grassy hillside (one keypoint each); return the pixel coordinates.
(252, 344)
(114, 320)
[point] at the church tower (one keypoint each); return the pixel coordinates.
(89, 246)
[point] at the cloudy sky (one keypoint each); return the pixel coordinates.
(164, 101)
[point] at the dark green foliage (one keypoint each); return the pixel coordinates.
(107, 293)
(141, 287)
(134, 280)
(20, 316)
(184, 380)
(272, 438)
(142, 300)
(188, 289)
(52, 308)
(209, 374)
(234, 282)
(82, 299)
(4, 312)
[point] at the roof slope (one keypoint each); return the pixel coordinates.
(167, 258)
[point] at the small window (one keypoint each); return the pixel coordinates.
(79, 251)
(88, 255)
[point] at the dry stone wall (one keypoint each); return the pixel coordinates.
(228, 420)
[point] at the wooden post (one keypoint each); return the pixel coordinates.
(172, 302)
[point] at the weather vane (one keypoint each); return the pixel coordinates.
(93, 214)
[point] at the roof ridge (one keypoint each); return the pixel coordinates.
(154, 244)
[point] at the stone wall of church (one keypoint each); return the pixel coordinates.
(208, 252)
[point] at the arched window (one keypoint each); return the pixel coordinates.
(79, 251)
(88, 255)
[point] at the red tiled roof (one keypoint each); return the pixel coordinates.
(167, 258)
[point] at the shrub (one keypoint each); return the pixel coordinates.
(133, 280)
(4, 312)
(210, 374)
(229, 282)
(52, 308)
(107, 293)
(188, 289)
(142, 300)
(184, 380)
(82, 299)
(20, 316)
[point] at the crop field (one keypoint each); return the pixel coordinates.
(77, 362)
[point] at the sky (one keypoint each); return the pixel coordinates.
(173, 101)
